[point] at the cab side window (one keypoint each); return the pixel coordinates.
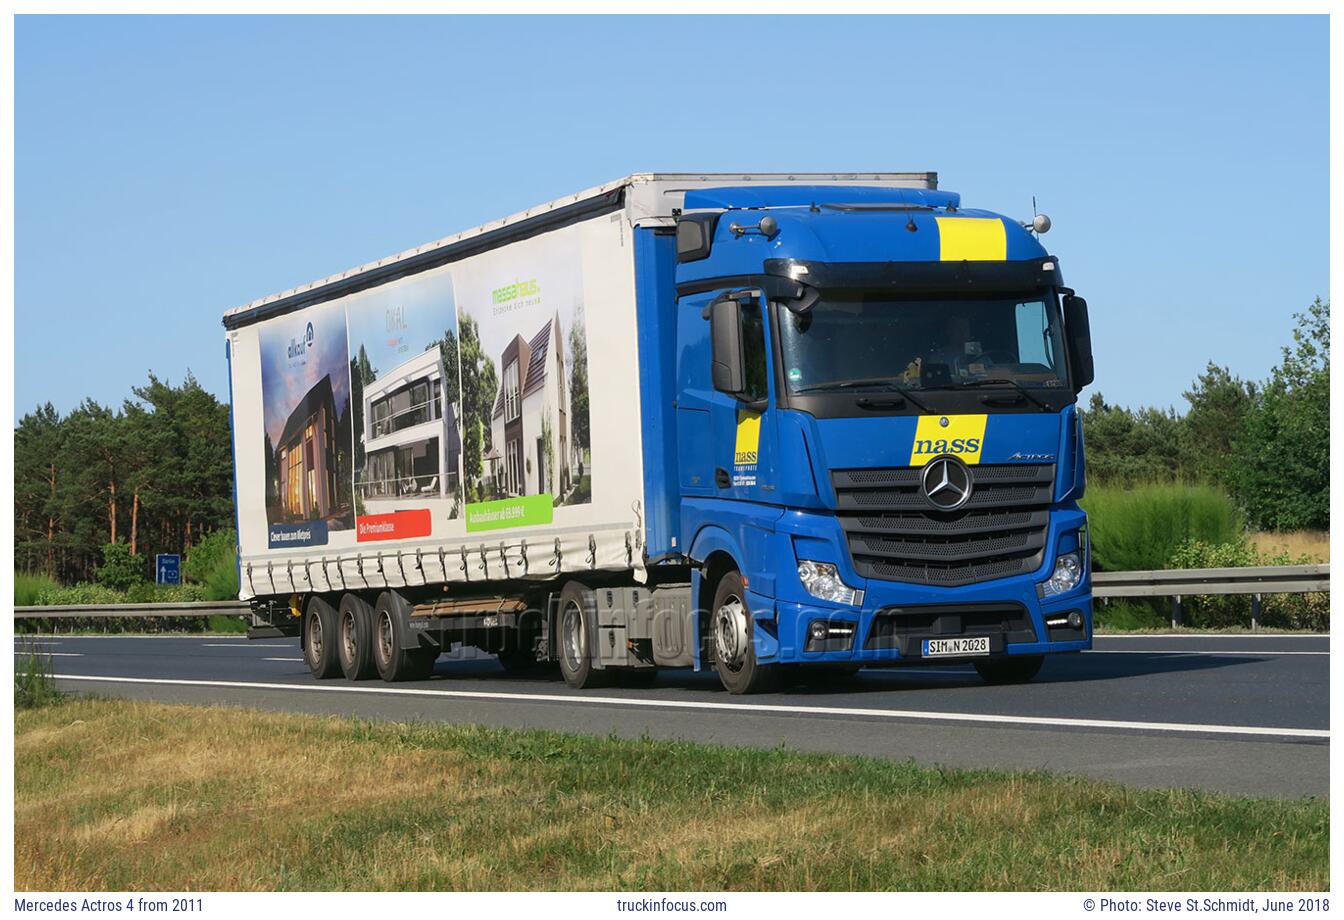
(753, 352)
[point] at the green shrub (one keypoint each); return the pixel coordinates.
(120, 570)
(33, 684)
(1140, 528)
(81, 593)
(28, 586)
(213, 564)
(148, 593)
(1124, 615)
(1283, 611)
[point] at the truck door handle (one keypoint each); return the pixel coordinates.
(721, 478)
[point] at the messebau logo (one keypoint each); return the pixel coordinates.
(299, 347)
(515, 291)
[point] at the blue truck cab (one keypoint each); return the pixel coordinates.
(877, 453)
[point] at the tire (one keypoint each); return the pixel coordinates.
(1017, 669)
(734, 650)
(393, 662)
(578, 608)
(319, 639)
(355, 632)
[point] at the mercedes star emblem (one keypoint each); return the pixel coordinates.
(947, 483)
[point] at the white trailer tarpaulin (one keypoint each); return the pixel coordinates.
(474, 421)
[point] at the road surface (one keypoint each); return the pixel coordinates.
(1243, 714)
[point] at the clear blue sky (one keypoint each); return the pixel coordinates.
(168, 169)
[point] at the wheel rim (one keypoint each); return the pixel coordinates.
(348, 636)
(572, 633)
(730, 633)
(384, 638)
(315, 637)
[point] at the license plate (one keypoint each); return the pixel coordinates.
(943, 648)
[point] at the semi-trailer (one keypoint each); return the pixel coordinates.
(755, 423)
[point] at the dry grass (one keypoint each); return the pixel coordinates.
(123, 795)
(1296, 544)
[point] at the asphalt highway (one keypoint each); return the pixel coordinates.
(1235, 713)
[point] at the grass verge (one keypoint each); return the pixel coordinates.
(126, 795)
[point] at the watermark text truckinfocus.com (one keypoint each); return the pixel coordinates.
(669, 905)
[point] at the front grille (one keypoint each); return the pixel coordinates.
(895, 535)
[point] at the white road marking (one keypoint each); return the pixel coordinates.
(762, 708)
(1172, 651)
(238, 645)
(19, 651)
(1107, 636)
(282, 659)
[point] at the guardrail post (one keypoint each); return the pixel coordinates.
(1256, 611)
(1175, 611)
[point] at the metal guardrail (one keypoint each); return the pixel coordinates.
(78, 611)
(1255, 580)
(1174, 583)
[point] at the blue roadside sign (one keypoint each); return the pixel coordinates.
(168, 569)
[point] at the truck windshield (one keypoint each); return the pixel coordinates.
(864, 340)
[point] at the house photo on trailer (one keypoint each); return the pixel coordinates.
(308, 435)
(405, 373)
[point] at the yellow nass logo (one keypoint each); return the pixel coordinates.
(962, 436)
(748, 437)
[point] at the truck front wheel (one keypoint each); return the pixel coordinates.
(734, 648)
(1017, 669)
(319, 639)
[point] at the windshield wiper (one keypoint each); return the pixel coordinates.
(1002, 381)
(886, 383)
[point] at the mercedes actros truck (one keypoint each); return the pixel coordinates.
(770, 425)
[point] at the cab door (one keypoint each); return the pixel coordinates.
(742, 422)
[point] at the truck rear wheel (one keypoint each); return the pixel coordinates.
(1017, 669)
(319, 639)
(393, 662)
(356, 638)
(578, 608)
(734, 649)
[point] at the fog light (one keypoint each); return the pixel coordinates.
(1075, 620)
(1066, 576)
(822, 579)
(830, 635)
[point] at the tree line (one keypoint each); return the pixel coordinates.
(1266, 443)
(155, 474)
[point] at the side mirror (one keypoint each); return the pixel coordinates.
(1079, 333)
(727, 363)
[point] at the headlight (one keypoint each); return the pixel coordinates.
(822, 579)
(1068, 573)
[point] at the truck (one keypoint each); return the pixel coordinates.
(780, 426)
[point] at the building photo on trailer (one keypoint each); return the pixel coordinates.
(404, 379)
(305, 382)
(524, 370)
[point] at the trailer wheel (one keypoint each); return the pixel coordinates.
(393, 662)
(319, 639)
(356, 638)
(734, 650)
(1017, 669)
(578, 607)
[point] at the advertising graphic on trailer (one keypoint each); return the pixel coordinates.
(405, 396)
(305, 381)
(523, 342)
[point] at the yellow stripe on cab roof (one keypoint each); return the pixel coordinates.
(971, 239)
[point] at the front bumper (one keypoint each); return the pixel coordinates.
(894, 618)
